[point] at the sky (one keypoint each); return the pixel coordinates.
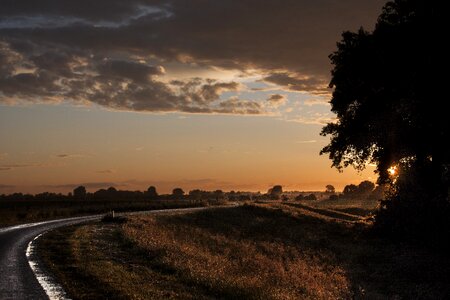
(225, 94)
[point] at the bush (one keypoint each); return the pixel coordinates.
(299, 197)
(310, 197)
(333, 197)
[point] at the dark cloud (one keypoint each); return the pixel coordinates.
(117, 84)
(138, 72)
(294, 82)
(212, 92)
(111, 52)
(237, 106)
(57, 63)
(276, 100)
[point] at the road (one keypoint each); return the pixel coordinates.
(17, 278)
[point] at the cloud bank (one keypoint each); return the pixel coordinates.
(115, 53)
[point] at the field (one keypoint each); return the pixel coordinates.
(24, 211)
(258, 251)
(355, 206)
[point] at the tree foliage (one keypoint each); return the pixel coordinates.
(387, 97)
(79, 192)
(366, 187)
(152, 193)
(177, 192)
(330, 189)
(350, 190)
(275, 192)
(391, 110)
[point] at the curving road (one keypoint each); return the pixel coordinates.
(17, 279)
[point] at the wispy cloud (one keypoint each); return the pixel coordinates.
(6, 186)
(314, 119)
(7, 167)
(88, 185)
(18, 166)
(276, 100)
(210, 149)
(317, 101)
(108, 171)
(306, 142)
(70, 155)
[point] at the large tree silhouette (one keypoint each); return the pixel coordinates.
(389, 99)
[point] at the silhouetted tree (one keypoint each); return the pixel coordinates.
(310, 197)
(330, 189)
(350, 191)
(333, 197)
(299, 197)
(244, 197)
(378, 193)
(80, 192)
(386, 114)
(232, 195)
(390, 109)
(218, 195)
(151, 193)
(365, 188)
(177, 193)
(112, 190)
(196, 194)
(275, 192)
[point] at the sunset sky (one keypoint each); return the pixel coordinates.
(193, 94)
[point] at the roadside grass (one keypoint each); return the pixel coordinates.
(267, 251)
(25, 211)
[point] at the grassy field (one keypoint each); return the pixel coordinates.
(264, 251)
(356, 206)
(25, 211)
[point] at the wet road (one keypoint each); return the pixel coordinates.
(17, 280)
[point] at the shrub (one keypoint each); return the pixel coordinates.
(310, 197)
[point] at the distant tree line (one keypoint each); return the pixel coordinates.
(365, 190)
(80, 193)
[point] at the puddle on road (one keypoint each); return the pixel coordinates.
(53, 290)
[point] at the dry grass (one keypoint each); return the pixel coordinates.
(270, 251)
(247, 252)
(14, 212)
(356, 206)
